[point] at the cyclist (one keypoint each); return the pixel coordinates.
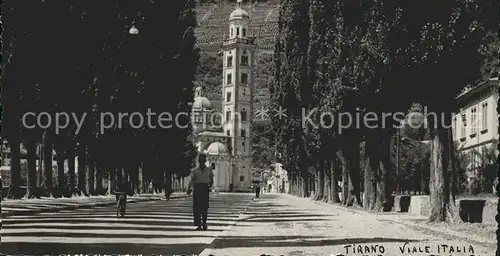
(122, 189)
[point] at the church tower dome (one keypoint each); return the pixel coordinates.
(238, 22)
(201, 102)
(239, 14)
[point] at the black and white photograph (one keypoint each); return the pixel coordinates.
(250, 127)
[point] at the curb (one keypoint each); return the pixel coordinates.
(82, 206)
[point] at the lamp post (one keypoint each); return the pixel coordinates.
(133, 30)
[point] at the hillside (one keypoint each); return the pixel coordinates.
(213, 20)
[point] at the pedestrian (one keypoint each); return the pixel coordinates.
(257, 190)
(202, 179)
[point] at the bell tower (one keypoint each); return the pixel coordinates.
(237, 94)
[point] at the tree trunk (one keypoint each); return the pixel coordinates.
(335, 166)
(372, 165)
(111, 180)
(47, 162)
(305, 184)
(82, 169)
(320, 187)
(354, 190)
(15, 168)
(140, 179)
(91, 175)
(383, 193)
(442, 206)
(32, 173)
(135, 180)
(71, 171)
(342, 155)
(61, 183)
(99, 178)
(168, 185)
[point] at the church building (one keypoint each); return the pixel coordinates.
(224, 134)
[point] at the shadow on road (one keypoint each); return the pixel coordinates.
(157, 227)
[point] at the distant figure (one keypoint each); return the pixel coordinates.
(150, 188)
(121, 191)
(257, 190)
(202, 179)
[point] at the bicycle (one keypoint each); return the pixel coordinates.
(121, 204)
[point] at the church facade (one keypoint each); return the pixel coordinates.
(224, 134)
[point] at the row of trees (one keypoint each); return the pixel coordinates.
(82, 58)
(350, 58)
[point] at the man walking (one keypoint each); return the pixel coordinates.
(257, 190)
(202, 179)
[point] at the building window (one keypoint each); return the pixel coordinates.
(244, 78)
(232, 32)
(213, 166)
(244, 32)
(243, 133)
(237, 31)
(462, 127)
(229, 61)
(228, 132)
(244, 59)
(455, 126)
(473, 121)
(244, 115)
(197, 117)
(228, 97)
(243, 145)
(242, 178)
(229, 79)
(228, 116)
(485, 116)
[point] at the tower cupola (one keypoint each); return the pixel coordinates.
(238, 22)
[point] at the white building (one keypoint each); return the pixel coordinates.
(278, 182)
(475, 127)
(228, 145)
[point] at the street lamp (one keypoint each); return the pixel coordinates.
(133, 30)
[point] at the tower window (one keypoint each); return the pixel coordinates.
(462, 128)
(243, 133)
(228, 97)
(244, 78)
(244, 60)
(244, 115)
(237, 31)
(228, 116)
(229, 61)
(229, 79)
(213, 166)
(473, 122)
(242, 178)
(232, 32)
(244, 32)
(485, 116)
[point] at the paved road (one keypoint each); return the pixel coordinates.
(273, 224)
(286, 225)
(156, 227)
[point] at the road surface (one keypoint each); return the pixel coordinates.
(272, 224)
